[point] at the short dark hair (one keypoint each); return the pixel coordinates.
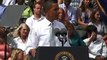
(37, 2)
(47, 5)
(90, 29)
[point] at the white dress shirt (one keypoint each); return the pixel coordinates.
(40, 34)
(31, 21)
(97, 47)
(18, 43)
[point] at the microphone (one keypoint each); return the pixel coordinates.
(57, 32)
(63, 34)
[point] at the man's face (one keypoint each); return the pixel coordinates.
(37, 9)
(52, 12)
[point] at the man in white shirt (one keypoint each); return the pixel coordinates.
(42, 29)
(97, 46)
(35, 24)
(37, 16)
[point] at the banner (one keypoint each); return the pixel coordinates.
(102, 5)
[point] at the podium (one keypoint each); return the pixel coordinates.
(63, 53)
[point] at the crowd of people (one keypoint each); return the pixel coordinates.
(54, 23)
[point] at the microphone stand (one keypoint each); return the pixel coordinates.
(63, 35)
(5, 57)
(5, 54)
(62, 43)
(61, 40)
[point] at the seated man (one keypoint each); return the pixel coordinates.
(97, 46)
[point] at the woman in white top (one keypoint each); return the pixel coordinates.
(96, 21)
(22, 34)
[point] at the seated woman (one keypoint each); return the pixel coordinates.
(22, 34)
(73, 36)
(99, 24)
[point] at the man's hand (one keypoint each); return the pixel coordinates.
(33, 52)
(93, 36)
